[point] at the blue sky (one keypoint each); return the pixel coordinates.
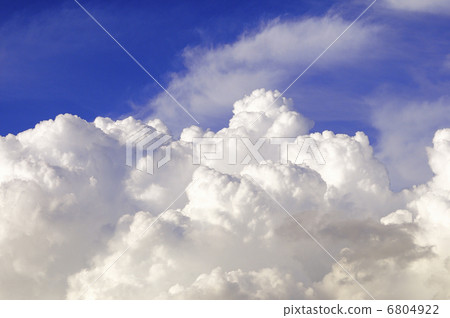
(388, 76)
(55, 59)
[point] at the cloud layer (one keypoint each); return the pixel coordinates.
(431, 6)
(70, 207)
(271, 56)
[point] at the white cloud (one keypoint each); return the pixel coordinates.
(430, 227)
(272, 56)
(264, 284)
(397, 217)
(432, 6)
(70, 206)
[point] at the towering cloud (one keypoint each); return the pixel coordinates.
(70, 207)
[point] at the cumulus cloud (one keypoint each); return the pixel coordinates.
(430, 209)
(70, 207)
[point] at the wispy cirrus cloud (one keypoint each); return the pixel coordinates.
(271, 56)
(430, 6)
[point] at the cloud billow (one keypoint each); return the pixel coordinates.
(70, 206)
